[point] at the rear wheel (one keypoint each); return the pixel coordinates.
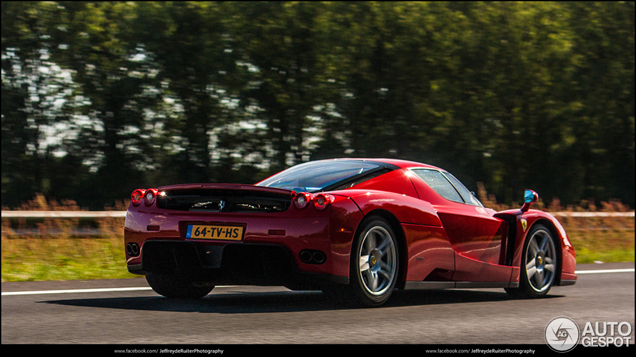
(374, 263)
(538, 264)
(174, 286)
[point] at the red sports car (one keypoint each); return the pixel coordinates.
(359, 228)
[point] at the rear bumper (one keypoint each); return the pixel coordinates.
(230, 264)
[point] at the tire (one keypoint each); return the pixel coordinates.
(374, 263)
(174, 286)
(539, 264)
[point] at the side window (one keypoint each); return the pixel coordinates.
(440, 184)
(468, 197)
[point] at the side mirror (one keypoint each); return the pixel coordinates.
(529, 197)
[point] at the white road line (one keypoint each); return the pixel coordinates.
(77, 291)
(604, 271)
(72, 291)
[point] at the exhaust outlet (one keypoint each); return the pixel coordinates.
(318, 257)
(132, 249)
(306, 256)
(312, 256)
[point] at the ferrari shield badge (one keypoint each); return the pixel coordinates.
(524, 224)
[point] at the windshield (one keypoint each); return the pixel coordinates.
(317, 175)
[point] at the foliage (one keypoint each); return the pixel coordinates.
(100, 98)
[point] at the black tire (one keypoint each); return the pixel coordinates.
(539, 264)
(174, 286)
(375, 262)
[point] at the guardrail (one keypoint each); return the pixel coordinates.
(115, 214)
(63, 214)
(96, 232)
(592, 214)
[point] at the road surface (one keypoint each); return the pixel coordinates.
(128, 312)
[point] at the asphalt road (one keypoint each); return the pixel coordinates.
(47, 313)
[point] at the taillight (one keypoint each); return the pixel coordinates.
(321, 201)
(137, 196)
(150, 195)
(302, 199)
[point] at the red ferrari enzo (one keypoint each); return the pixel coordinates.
(359, 228)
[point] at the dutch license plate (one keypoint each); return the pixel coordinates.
(205, 231)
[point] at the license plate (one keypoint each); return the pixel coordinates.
(205, 231)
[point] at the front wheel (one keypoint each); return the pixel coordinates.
(538, 264)
(374, 263)
(174, 286)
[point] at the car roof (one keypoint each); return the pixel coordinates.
(403, 164)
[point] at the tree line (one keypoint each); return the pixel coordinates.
(100, 98)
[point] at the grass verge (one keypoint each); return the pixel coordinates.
(31, 259)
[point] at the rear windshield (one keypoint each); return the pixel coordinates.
(320, 175)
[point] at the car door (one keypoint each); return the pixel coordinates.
(477, 237)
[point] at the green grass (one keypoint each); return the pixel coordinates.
(585, 256)
(606, 245)
(31, 259)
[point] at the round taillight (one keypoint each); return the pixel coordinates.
(149, 196)
(301, 200)
(137, 196)
(321, 201)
